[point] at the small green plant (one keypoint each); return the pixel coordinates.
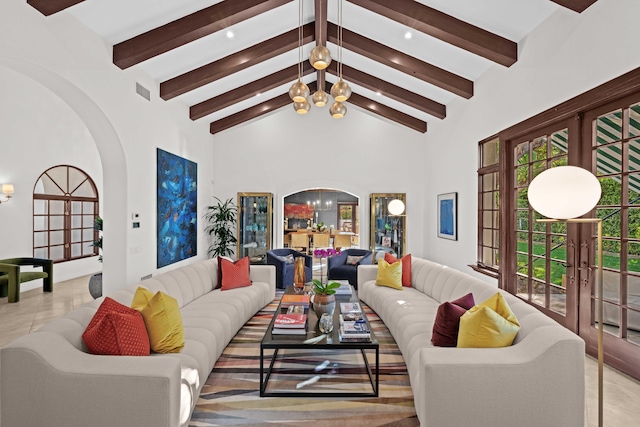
(97, 226)
(222, 221)
(320, 288)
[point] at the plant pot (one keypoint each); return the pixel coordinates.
(324, 304)
(95, 285)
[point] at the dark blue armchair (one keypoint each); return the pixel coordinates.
(340, 270)
(284, 271)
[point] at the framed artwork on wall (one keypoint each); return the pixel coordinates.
(448, 216)
(177, 208)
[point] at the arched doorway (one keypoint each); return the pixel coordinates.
(111, 155)
(334, 211)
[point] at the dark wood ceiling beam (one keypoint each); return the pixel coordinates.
(575, 5)
(402, 62)
(235, 62)
(247, 91)
(49, 7)
(384, 111)
(253, 112)
(390, 90)
(187, 29)
(446, 28)
(320, 10)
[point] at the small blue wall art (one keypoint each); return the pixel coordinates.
(447, 216)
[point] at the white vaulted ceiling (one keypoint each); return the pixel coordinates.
(373, 43)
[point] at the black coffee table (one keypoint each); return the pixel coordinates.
(331, 343)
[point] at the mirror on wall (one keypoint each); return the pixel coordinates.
(388, 225)
(322, 211)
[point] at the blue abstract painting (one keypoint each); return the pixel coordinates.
(177, 208)
(447, 216)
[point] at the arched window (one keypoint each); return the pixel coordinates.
(65, 204)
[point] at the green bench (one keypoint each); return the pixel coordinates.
(11, 276)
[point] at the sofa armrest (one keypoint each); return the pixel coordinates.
(45, 378)
(366, 273)
(264, 273)
(460, 386)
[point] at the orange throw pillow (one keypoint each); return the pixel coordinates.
(115, 330)
(406, 267)
(235, 274)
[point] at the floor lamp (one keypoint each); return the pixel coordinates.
(563, 194)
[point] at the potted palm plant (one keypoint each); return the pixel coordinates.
(222, 221)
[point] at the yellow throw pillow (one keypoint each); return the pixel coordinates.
(389, 274)
(489, 324)
(162, 318)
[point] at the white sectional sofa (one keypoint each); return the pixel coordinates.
(537, 381)
(49, 378)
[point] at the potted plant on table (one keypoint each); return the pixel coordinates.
(324, 298)
(222, 222)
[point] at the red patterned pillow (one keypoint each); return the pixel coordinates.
(235, 274)
(406, 267)
(118, 330)
(447, 323)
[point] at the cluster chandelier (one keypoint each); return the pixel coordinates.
(320, 58)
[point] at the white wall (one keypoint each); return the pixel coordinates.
(286, 152)
(39, 131)
(85, 90)
(566, 55)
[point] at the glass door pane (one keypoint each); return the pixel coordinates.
(388, 232)
(541, 248)
(254, 226)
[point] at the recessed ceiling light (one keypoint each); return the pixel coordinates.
(229, 34)
(378, 93)
(408, 35)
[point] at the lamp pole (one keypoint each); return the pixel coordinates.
(600, 309)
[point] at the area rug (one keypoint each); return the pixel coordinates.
(231, 395)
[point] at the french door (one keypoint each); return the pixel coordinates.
(553, 266)
(612, 132)
(543, 265)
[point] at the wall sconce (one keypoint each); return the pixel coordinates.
(7, 189)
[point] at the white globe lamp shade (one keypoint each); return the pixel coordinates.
(564, 192)
(396, 207)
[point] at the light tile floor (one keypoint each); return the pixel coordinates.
(621, 393)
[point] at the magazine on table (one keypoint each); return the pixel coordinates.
(289, 331)
(294, 299)
(295, 321)
(350, 307)
(344, 289)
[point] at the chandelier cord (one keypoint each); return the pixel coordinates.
(340, 35)
(300, 40)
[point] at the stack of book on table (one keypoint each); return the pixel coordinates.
(289, 300)
(290, 324)
(345, 287)
(353, 325)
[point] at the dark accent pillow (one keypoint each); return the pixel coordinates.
(219, 284)
(447, 323)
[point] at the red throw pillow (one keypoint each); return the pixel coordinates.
(406, 267)
(219, 284)
(447, 323)
(235, 274)
(116, 330)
